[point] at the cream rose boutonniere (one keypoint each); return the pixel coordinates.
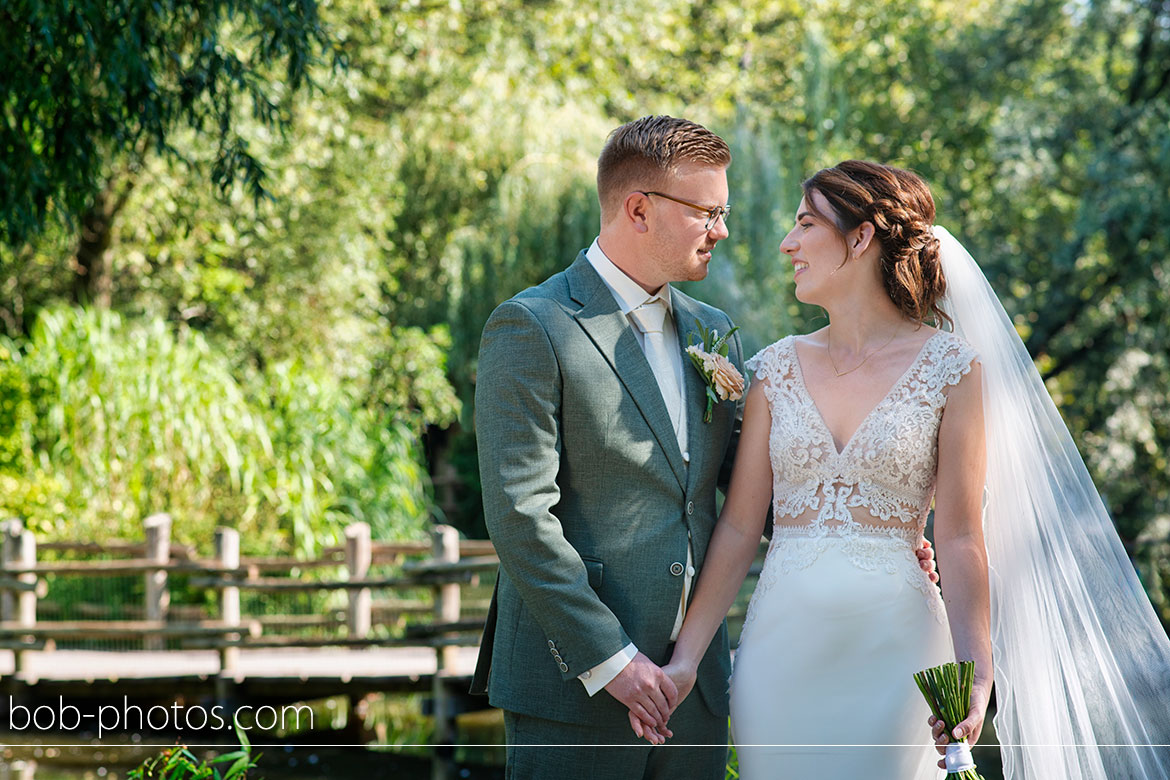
(724, 382)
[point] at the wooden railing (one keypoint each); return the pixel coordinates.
(440, 567)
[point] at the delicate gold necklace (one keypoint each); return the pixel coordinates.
(837, 371)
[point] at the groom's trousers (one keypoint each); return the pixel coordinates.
(541, 749)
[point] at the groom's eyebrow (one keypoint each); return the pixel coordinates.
(802, 215)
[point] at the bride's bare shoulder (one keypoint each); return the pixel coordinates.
(815, 338)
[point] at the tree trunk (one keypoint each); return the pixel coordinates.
(91, 264)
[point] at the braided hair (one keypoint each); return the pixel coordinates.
(899, 205)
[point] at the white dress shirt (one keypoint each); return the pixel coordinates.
(629, 296)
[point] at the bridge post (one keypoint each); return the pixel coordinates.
(8, 597)
(444, 549)
(20, 551)
(227, 553)
(358, 555)
(158, 550)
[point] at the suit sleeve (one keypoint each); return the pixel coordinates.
(517, 423)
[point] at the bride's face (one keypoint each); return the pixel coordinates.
(816, 249)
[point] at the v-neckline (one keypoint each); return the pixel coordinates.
(864, 420)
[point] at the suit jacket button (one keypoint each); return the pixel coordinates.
(676, 568)
(690, 507)
(564, 666)
(553, 650)
(552, 643)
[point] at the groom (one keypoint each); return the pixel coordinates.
(599, 476)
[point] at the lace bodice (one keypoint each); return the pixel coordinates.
(876, 490)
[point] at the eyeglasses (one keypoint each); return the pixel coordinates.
(713, 214)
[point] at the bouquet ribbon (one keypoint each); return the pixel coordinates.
(958, 758)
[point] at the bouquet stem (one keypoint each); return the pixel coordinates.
(947, 690)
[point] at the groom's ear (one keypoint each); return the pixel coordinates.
(635, 208)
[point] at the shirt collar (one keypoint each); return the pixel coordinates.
(628, 293)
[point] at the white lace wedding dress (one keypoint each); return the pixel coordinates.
(842, 615)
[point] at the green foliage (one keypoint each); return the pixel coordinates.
(86, 82)
(15, 413)
(36, 497)
(409, 378)
(339, 461)
(132, 418)
(179, 763)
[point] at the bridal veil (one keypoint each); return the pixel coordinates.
(1082, 664)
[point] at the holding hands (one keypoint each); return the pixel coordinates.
(681, 678)
(650, 696)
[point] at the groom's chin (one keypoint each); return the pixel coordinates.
(698, 274)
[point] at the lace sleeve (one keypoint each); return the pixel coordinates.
(955, 362)
(767, 363)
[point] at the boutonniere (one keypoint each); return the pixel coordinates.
(723, 380)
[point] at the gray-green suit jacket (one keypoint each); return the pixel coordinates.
(586, 494)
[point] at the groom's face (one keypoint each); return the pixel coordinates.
(681, 241)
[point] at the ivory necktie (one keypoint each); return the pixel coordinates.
(650, 317)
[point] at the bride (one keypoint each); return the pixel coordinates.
(853, 432)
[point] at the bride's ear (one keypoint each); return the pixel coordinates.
(861, 238)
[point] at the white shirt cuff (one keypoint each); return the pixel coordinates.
(601, 675)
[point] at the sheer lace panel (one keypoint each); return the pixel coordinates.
(874, 495)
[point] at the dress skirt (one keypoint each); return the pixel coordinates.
(823, 680)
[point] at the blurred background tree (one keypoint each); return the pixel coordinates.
(450, 164)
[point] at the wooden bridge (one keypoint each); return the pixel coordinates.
(384, 618)
(262, 676)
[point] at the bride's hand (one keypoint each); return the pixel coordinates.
(971, 727)
(648, 731)
(683, 676)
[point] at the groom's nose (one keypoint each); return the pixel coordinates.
(719, 230)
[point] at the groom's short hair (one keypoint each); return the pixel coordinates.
(642, 154)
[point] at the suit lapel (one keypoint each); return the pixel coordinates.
(686, 318)
(602, 320)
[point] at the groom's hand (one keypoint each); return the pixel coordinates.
(646, 691)
(925, 555)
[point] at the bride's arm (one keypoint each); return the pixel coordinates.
(958, 537)
(734, 542)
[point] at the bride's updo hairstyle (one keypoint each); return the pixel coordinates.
(899, 205)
